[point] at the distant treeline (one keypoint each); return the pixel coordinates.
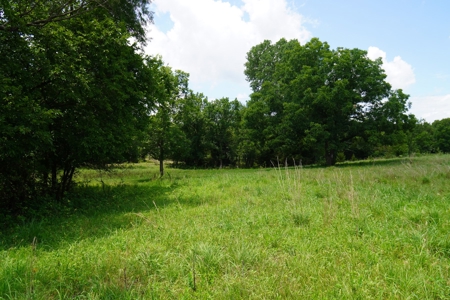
(309, 104)
(224, 133)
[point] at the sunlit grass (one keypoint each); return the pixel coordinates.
(364, 230)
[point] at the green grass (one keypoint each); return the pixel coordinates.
(363, 230)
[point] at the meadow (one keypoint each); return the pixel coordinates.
(376, 229)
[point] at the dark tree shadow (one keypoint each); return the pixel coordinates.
(90, 212)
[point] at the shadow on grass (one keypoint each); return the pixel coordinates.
(90, 212)
(376, 162)
(358, 163)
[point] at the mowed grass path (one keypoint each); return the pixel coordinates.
(376, 230)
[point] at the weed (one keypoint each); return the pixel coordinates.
(300, 219)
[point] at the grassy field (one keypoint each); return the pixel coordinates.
(369, 230)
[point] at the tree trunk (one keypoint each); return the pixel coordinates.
(161, 167)
(54, 179)
(161, 158)
(330, 156)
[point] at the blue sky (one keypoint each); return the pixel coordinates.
(209, 40)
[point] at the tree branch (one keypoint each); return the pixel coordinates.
(55, 15)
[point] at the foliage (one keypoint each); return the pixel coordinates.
(190, 119)
(222, 121)
(204, 132)
(311, 99)
(24, 15)
(73, 92)
(442, 134)
(424, 137)
(165, 139)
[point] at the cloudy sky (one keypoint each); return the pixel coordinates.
(210, 38)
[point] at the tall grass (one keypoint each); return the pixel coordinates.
(375, 230)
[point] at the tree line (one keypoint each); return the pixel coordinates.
(76, 92)
(310, 104)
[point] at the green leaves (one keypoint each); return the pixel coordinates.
(442, 134)
(24, 15)
(337, 91)
(73, 91)
(222, 123)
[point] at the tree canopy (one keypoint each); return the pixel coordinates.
(312, 99)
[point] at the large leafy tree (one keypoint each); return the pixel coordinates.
(314, 101)
(74, 91)
(102, 100)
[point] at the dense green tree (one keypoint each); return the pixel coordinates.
(23, 120)
(389, 130)
(102, 100)
(222, 120)
(262, 62)
(442, 134)
(190, 130)
(73, 92)
(314, 101)
(252, 141)
(190, 119)
(264, 137)
(424, 137)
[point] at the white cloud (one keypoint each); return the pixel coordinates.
(243, 97)
(431, 108)
(210, 39)
(399, 73)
